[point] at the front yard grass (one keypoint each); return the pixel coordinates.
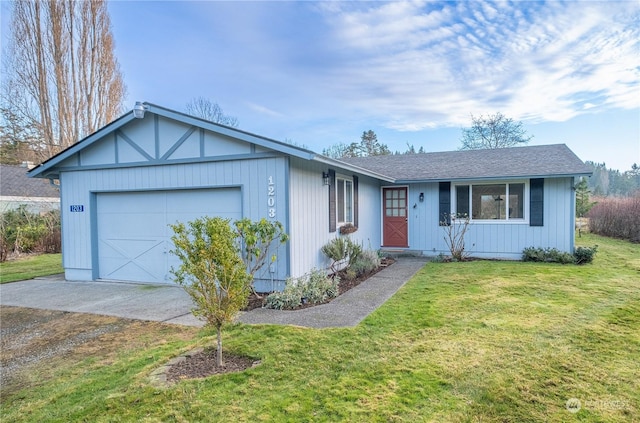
(30, 267)
(461, 342)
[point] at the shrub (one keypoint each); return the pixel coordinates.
(533, 254)
(318, 288)
(547, 255)
(616, 218)
(367, 262)
(315, 288)
(584, 255)
(581, 255)
(342, 251)
(24, 232)
(440, 258)
(288, 299)
(211, 271)
(455, 227)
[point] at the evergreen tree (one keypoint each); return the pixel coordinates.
(583, 202)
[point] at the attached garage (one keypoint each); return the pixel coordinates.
(133, 233)
(122, 187)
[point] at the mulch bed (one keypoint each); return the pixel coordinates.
(203, 364)
(258, 300)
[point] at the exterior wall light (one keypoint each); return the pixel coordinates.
(421, 197)
(325, 179)
(138, 110)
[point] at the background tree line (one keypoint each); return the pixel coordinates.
(611, 182)
(62, 80)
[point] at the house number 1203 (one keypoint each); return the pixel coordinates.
(271, 198)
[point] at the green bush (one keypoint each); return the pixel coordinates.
(288, 299)
(24, 232)
(547, 255)
(581, 255)
(342, 251)
(315, 288)
(319, 288)
(367, 262)
(584, 255)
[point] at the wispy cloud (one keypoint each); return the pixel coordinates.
(417, 65)
(264, 110)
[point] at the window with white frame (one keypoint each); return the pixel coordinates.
(344, 200)
(491, 202)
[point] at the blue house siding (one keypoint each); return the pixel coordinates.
(167, 159)
(252, 176)
(309, 215)
(495, 240)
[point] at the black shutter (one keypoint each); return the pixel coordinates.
(462, 200)
(536, 202)
(332, 200)
(355, 201)
(444, 217)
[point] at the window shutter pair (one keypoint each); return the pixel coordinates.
(536, 203)
(332, 201)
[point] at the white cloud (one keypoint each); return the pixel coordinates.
(264, 110)
(415, 65)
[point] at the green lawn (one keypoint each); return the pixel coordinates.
(30, 267)
(480, 341)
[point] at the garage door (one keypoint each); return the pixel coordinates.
(134, 239)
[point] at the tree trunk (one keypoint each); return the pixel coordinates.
(219, 362)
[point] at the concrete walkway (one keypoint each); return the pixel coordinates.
(348, 309)
(171, 304)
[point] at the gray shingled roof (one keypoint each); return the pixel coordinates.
(14, 182)
(515, 162)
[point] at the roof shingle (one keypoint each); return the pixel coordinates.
(14, 182)
(515, 162)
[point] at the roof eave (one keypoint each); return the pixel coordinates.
(41, 170)
(337, 163)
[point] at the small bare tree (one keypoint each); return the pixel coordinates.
(455, 228)
(206, 109)
(493, 131)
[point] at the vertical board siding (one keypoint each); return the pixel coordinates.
(250, 175)
(309, 216)
(494, 240)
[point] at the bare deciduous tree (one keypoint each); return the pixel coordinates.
(493, 131)
(62, 74)
(207, 109)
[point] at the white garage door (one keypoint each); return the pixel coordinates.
(134, 239)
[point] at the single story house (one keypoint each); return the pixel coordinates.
(123, 185)
(17, 189)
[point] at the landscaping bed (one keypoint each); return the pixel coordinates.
(258, 300)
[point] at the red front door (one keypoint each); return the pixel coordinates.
(394, 221)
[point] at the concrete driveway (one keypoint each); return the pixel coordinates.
(171, 304)
(155, 302)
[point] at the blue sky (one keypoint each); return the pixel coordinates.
(319, 73)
